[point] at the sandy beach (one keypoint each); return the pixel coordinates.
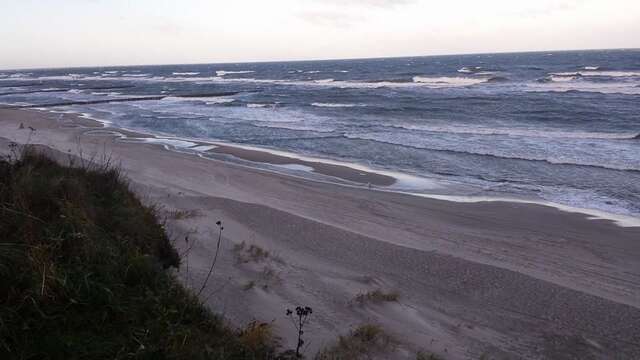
(500, 279)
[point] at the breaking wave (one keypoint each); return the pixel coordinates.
(333, 105)
(224, 72)
(597, 73)
(469, 69)
(445, 81)
(539, 133)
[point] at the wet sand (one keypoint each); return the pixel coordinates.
(338, 171)
(506, 280)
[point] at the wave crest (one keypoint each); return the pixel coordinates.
(225, 72)
(445, 81)
(334, 105)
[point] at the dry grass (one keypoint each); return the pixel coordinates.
(183, 214)
(362, 343)
(250, 253)
(258, 336)
(376, 297)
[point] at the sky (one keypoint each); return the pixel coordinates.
(65, 33)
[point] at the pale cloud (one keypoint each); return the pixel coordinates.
(546, 8)
(37, 33)
(377, 3)
(331, 18)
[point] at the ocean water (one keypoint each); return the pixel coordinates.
(558, 126)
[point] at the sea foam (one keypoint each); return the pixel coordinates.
(224, 72)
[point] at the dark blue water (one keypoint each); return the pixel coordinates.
(556, 126)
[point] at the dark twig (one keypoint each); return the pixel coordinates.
(302, 314)
(215, 257)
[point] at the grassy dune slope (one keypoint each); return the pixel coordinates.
(83, 274)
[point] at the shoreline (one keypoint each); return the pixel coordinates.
(505, 279)
(353, 173)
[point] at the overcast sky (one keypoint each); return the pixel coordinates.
(52, 33)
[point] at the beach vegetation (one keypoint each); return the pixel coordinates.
(376, 297)
(85, 273)
(258, 336)
(178, 214)
(299, 317)
(249, 253)
(363, 342)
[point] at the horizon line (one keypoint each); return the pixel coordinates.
(318, 60)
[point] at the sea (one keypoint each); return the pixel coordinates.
(560, 127)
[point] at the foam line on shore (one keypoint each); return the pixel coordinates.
(593, 214)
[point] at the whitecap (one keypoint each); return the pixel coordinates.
(625, 88)
(469, 69)
(216, 101)
(563, 78)
(186, 73)
(444, 81)
(520, 132)
(224, 72)
(106, 93)
(20, 75)
(611, 73)
(629, 73)
(334, 105)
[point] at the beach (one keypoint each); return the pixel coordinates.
(501, 279)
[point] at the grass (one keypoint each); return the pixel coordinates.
(83, 274)
(251, 253)
(376, 297)
(183, 214)
(424, 356)
(361, 343)
(249, 285)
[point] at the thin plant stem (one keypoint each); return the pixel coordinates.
(215, 258)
